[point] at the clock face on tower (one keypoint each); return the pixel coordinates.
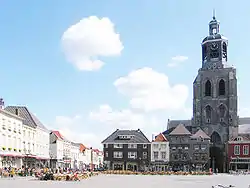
(214, 46)
(214, 50)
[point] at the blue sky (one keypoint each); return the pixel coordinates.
(35, 71)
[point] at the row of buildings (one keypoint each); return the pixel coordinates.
(211, 138)
(25, 141)
(178, 149)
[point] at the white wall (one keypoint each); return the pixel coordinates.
(74, 153)
(29, 145)
(11, 138)
(160, 147)
(42, 143)
(66, 149)
(10, 132)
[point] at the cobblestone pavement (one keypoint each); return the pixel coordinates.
(117, 181)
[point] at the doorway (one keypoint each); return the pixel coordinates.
(216, 159)
(216, 153)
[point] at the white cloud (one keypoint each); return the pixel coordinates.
(177, 60)
(123, 119)
(76, 129)
(150, 90)
(89, 39)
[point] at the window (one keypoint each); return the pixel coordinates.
(163, 146)
(222, 89)
(118, 154)
(118, 146)
(245, 150)
(156, 154)
(175, 157)
(236, 150)
(132, 146)
(208, 112)
(222, 111)
(106, 145)
(145, 155)
(145, 146)
(173, 148)
(208, 88)
(196, 147)
(203, 147)
(186, 147)
(163, 155)
(106, 154)
(132, 155)
(156, 146)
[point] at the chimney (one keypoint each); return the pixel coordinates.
(16, 111)
(1, 103)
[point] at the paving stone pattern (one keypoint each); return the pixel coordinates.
(117, 181)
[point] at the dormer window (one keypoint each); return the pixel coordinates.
(125, 137)
(239, 139)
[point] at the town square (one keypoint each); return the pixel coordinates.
(112, 181)
(87, 101)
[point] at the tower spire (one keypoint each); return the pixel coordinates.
(214, 14)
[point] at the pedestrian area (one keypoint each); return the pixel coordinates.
(119, 181)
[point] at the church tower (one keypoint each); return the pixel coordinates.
(215, 90)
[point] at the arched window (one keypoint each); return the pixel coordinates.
(208, 113)
(222, 89)
(215, 138)
(222, 111)
(208, 88)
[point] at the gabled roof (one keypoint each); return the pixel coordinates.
(82, 148)
(29, 119)
(58, 135)
(137, 137)
(180, 130)
(160, 138)
(200, 134)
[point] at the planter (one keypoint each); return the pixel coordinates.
(15, 149)
(3, 148)
(9, 149)
(124, 172)
(19, 150)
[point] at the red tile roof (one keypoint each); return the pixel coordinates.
(58, 134)
(82, 148)
(160, 138)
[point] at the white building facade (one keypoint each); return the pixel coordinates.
(160, 153)
(11, 138)
(74, 154)
(66, 154)
(35, 138)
